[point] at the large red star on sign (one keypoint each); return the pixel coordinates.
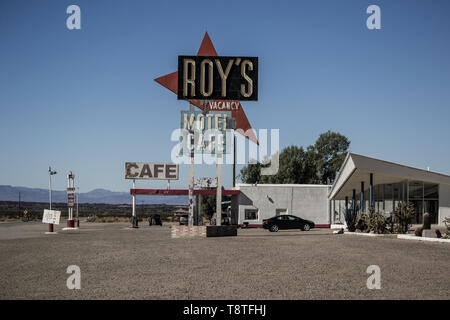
(170, 81)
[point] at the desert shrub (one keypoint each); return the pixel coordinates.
(447, 225)
(402, 217)
(350, 220)
(107, 219)
(377, 222)
(362, 222)
(91, 219)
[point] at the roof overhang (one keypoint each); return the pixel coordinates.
(357, 168)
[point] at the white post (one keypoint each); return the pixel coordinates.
(78, 191)
(50, 187)
(68, 208)
(191, 190)
(71, 208)
(219, 190)
(134, 199)
(50, 173)
(191, 178)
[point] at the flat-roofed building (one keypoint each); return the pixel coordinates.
(364, 181)
(257, 202)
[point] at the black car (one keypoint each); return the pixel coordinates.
(287, 221)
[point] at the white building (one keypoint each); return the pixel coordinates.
(362, 181)
(262, 201)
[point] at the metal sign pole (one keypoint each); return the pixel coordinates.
(50, 226)
(71, 209)
(219, 190)
(191, 191)
(78, 219)
(191, 178)
(234, 160)
(133, 219)
(70, 199)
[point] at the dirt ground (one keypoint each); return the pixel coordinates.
(121, 263)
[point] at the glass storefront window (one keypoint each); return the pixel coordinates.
(415, 190)
(431, 206)
(431, 191)
(387, 197)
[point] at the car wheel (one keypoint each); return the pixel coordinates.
(274, 228)
(306, 227)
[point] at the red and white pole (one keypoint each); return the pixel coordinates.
(70, 200)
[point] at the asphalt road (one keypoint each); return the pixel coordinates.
(121, 263)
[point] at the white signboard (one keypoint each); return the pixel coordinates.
(202, 183)
(151, 171)
(51, 216)
(207, 133)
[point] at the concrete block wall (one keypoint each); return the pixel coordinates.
(306, 201)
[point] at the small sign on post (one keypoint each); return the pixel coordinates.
(51, 216)
(70, 200)
(204, 183)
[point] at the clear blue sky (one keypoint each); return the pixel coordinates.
(85, 100)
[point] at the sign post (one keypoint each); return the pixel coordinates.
(234, 161)
(70, 199)
(219, 190)
(209, 77)
(191, 176)
(50, 174)
(77, 225)
(51, 217)
(134, 223)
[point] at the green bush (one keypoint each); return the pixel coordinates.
(362, 222)
(403, 216)
(377, 222)
(350, 220)
(447, 224)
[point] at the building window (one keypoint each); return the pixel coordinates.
(280, 212)
(251, 214)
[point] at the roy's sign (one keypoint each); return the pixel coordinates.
(151, 171)
(218, 78)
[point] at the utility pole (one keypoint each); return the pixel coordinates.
(50, 173)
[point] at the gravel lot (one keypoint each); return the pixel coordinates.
(121, 263)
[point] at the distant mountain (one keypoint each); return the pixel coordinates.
(10, 193)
